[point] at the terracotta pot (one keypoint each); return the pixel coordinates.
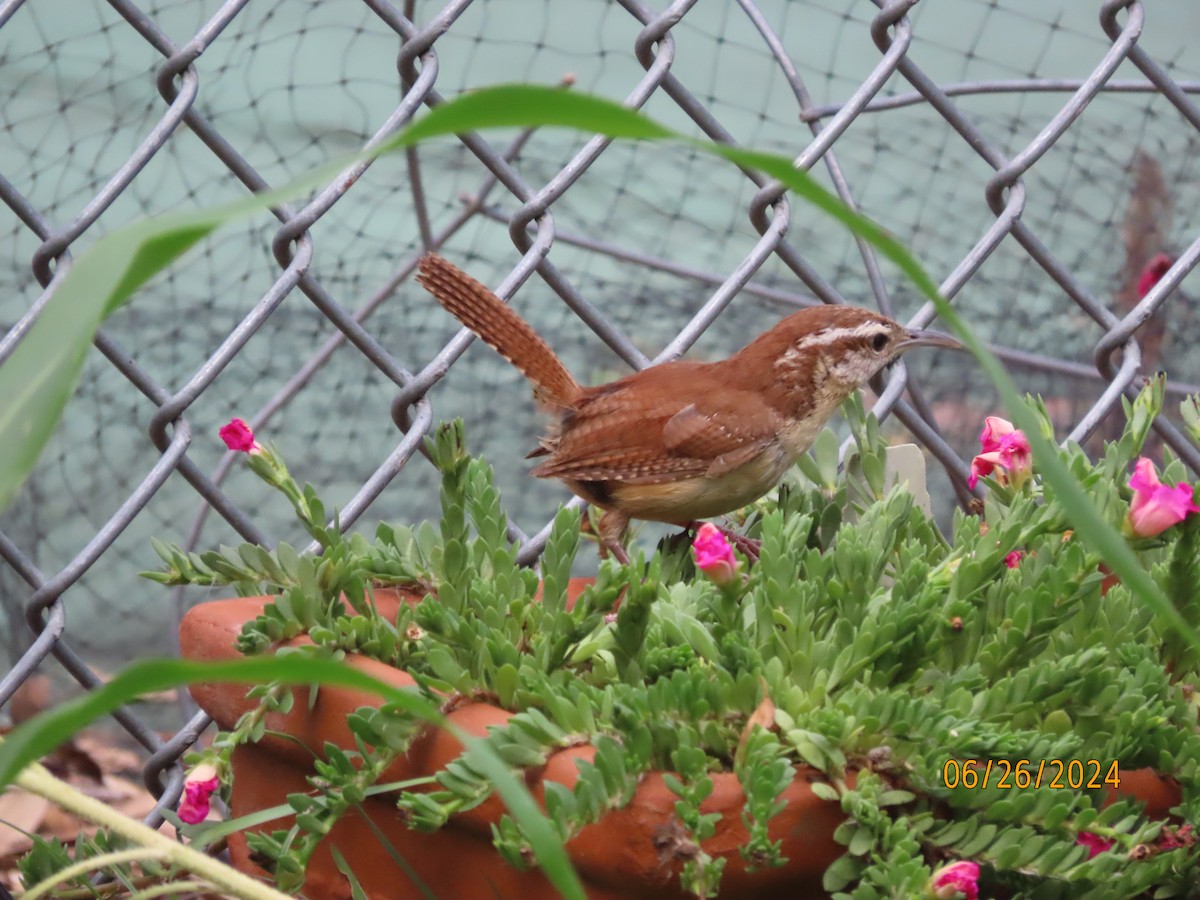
(615, 858)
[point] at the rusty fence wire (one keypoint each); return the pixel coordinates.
(1036, 156)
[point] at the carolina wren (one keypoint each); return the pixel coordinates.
(684, 440)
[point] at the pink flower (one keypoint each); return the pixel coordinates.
(1174, 838)
(1009, 452)
(199, 786)
(960, 877)
(714, 555)
(1155, 506)
(1153, 273)
(238, 436)
(1014, 559)
(1094, 843)
(994, 428)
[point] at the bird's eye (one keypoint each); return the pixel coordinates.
(879, 342)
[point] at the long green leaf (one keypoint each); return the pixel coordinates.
(356, 891)
(519, 105)
(397, 856)
(44, 732)
(28, 423)
(206, 834)
(37, 380)
(43, 371)
(41, 375)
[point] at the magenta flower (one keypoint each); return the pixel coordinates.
(1006, 450)
(1153, 273)
(199, 786)
(960, 877)
(994, 429)
(714, 555)
(1013, 559)
(1155, 506)
(1174, 838)
(238, 436)
(1094, 843)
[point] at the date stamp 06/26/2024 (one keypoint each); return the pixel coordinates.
(1064, 774)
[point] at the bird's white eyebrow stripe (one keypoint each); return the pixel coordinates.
(830, 335)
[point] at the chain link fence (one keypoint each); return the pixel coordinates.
(1035, 156)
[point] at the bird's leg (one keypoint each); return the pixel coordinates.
(611, 529)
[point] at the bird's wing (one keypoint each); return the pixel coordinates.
(659, 426)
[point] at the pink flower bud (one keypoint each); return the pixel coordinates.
(714, 555)
(1094, 843)
(1012, 456)
(960, 877)
(238, 436)
(199, 786)
(1013, 559)
(1155, 506)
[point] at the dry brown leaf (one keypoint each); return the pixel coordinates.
(110, 758)
(58, 823)
(20, 811)
(31, 698)
(73, 765)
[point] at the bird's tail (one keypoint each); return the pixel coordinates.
(499, 326)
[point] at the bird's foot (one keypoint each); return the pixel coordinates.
(750, 547)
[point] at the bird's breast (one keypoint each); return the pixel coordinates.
(798, 434)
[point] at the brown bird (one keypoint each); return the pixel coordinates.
(683, 441)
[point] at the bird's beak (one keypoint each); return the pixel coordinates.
(929, 339)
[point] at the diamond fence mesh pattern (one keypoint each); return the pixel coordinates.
(1034, 156)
